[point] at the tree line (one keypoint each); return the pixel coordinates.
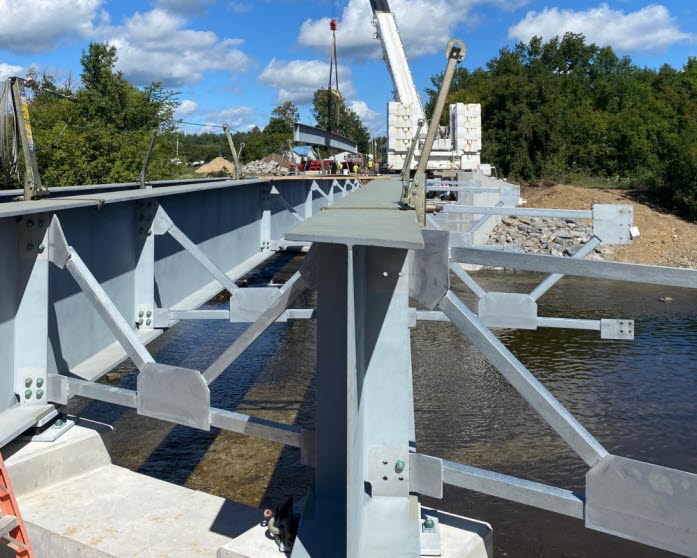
(102, 136)
(568, 111)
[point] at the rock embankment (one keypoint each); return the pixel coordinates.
(540, 235)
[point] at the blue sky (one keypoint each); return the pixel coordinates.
(234, 60)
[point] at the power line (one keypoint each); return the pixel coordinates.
(205, 125)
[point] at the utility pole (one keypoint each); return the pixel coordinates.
(235, 156)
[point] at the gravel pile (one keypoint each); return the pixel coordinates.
(263, 167)
(539, 235)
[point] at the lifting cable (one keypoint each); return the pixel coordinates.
(333, 74)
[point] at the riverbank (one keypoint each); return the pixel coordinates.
(665, 238)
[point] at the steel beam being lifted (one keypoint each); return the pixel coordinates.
(303, 133)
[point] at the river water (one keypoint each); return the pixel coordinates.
(638, 398)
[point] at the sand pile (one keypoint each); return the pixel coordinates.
(219, 164)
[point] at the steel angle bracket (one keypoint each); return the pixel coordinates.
(614, 224)
(429, 271)
(508, 310)
(248, 304)
(643, 502)
(174, 394)
(57, 389)
(426, 475)
(58, 248)
(617, 329)
(510, 194)
(388, 471)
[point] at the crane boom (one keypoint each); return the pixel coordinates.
(404, 87)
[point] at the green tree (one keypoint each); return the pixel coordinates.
(282, 119)
(103, 137)
(350, 124)
(567, 110)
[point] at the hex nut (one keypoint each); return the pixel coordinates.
(39, 382)
(39, 393)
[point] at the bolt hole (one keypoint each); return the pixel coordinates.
(384, 461)
(384, 478)
(401, 478)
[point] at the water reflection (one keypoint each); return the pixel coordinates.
(639, 398)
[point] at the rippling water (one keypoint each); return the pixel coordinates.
(639, 398)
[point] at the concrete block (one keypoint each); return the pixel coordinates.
(462, 537)
(37, 465)
(115, 513)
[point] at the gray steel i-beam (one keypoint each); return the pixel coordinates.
(303, 133)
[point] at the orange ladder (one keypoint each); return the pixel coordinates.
(13, 533)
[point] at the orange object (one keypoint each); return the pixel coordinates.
(13, 532)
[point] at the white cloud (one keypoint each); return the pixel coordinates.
(155, 46)
(185, 6)
(648, 29)
(238, 118)
(297, 80)
(424, 25)
(374, 121)
(240, 7)
(33, 26)
(8, 70)
(185, 108)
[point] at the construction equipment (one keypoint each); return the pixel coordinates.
(22, 132)
(456, 148)
(13, 532)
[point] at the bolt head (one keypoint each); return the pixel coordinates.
(58, 423)
(30, 224)
(27, 394)
(148, 313)
(140, 314)
(148, 322)
(429, 523)
(399, 465)
(42, 247)
(30, 246)
(140, 322)
(39, 393)
(41, 223)
(27, 382)
(39, 382)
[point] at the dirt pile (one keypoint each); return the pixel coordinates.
(665, 238)
(219, 164)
